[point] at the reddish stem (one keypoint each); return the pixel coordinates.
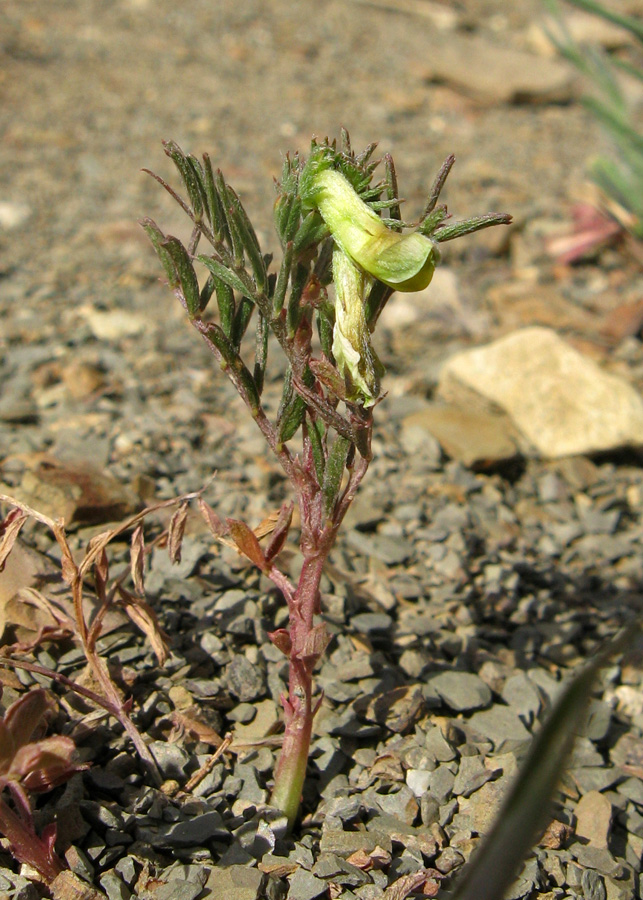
(291, 768)
(26, 846)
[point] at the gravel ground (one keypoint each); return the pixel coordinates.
(459, 599)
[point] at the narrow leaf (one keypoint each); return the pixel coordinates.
(436, 187)
(224, 274)
(228, 209)
(157, 238)
(261, 351)
(187, 173)
(249, 240)
(186, 275)
(242, 318)
(458, 229)
(282, 280)
(215, 210)
(334, 472)
(293, 416)
(314, 432)
(206, 293)
(313, 230)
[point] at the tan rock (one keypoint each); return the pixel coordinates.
(561, 402)
(466, 435)
(496, 73)
(594, 818)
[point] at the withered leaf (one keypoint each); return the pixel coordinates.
(375, 859)
(190, 721)
(426, 880)
(247, 543)
(281, 639)
(144, 617)
(137, 559)
(26, 716)
(9, 531)
(44, 764)
(267, 525)
(280, 532)
(214, 523)
(176, 532)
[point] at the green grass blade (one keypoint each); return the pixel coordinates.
(523, 814)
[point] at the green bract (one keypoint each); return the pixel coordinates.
(404, 262)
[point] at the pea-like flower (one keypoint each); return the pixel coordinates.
(404, 262)
(356, 360)
(365, 249)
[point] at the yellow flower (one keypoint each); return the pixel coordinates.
(404, 262)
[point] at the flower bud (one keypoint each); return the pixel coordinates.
(404, 262)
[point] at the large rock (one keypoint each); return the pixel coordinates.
(561, 402)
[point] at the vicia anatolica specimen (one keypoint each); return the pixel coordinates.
(345, 251)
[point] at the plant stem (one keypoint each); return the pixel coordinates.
(291, 768)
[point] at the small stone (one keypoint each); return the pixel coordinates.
(594, 819)
(461, 691)
(235, 883)
(245, 681)
(418, 781)
(333, 868)
(400, 804)
(264, 722)
(472, 774)
(171, 758)
(398, 709)
(502, 726)
(345, 843)
(482, 806)
(114, 887)
(521, 694)
(441, 785)
(371, 623)
(305, 886)
(178, 889)
(113, 325)
(13, 215)
(448, 860)
(391, 551)
(593, 886)
(191, 833)
(438, 745)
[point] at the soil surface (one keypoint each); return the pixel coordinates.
(459, 599)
